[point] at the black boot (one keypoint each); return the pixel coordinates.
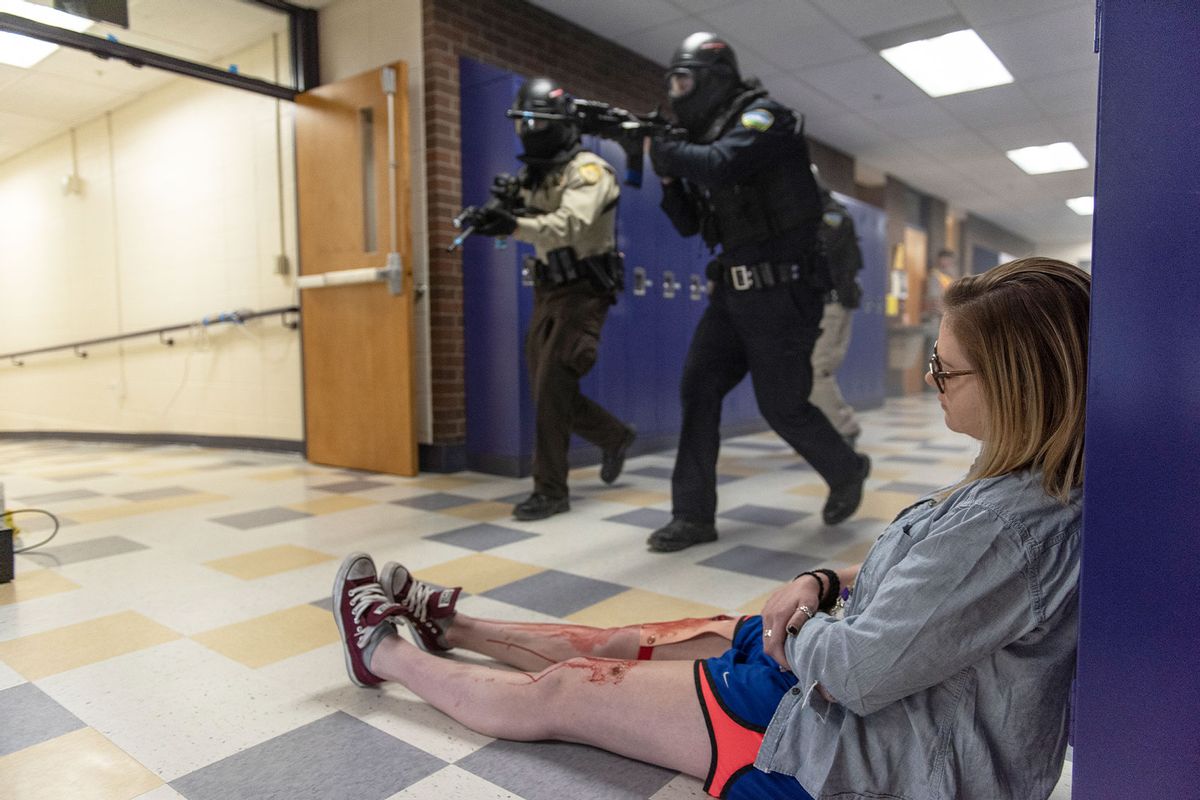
(613, 461)
(845, 499)
(680, 533)
(539, 506)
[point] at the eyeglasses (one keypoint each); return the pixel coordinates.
(939, 374)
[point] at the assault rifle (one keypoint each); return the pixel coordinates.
(627, 129)
(505, 192)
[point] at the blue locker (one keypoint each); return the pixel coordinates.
(862, 376)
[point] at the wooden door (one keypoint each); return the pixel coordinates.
(359, 408)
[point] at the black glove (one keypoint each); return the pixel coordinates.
(662, 149)
(495, 222)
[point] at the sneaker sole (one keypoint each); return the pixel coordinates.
(339, 583)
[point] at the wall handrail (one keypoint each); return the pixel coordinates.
(230, 317)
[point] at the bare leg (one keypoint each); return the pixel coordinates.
(535, 646)
(644, 710)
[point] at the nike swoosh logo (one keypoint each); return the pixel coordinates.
(725, 677)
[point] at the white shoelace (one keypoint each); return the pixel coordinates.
(417, 599)
(362, 599)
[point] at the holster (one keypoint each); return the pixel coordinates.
(606, 271)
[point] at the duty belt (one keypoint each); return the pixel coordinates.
(763, 275)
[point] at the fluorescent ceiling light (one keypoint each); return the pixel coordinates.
(1057, 157)
(22, 51)
(948, 64)
(1082, 205)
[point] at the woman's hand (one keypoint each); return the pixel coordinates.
(785, 613)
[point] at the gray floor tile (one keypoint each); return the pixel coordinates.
(226, 465)
(334, 757)
(907, 438)
(437, 501)
(918, 489)
(766, 447)
(777, 565)
(31, 717)
(483, 536)
(651, 472)
(57, 497)
(651, 518)
(555, 593)
(724, 479)
(800, 466)
(349, 487)
(947, 448)
(156, 494)
(764, 515)
(554, 770)
(89, 549)
(257, 519)
(914, 459)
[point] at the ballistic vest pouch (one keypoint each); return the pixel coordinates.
(605, 272)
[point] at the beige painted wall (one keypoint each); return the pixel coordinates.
(179, 219)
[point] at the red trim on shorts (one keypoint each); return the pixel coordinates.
(645, 653)
(734, 742)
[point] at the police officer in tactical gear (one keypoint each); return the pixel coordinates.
(742, 181)
(569, 215)
(839, 239)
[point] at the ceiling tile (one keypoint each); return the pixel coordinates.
(984, 12)
(614, 18)
(19, 132)
(659, 42)
(868, 17)
(1065, 91)
(756, 20)
(991, 107)
(1029, 134)
(955, 146)
(802, 98)
(848, 132)
(864, 83)
(914, 120)
(1056, 41)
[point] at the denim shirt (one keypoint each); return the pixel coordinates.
(952, 665)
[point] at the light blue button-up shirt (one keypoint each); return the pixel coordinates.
(952, 666)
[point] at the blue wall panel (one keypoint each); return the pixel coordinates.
(862, 376)
(1137, 720)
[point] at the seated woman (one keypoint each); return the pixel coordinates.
(947, 673)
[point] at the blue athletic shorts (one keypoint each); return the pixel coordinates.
(738, 693)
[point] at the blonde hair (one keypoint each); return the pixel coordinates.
(1024, 326)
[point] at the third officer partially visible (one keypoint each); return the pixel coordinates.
(569, 212)
(742, 180)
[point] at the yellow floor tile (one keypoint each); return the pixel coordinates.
(885, 505)
(81, 765)
(264, 640)
(480, 512)
(445, 483)
(889, 474)
(331, 505)
(634, 497)
(478, 573)
(144, 507)
(83, 643)
(755, 605)
(739, 467)
(637, 605)
(271, 561)
(810, 490)
(35, 583)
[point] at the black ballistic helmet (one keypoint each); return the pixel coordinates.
(543, 138)
(710, 64)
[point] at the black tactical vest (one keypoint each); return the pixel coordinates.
(782, 199)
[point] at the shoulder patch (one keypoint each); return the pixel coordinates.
(590, 173)
(833, 218)
(758, 119)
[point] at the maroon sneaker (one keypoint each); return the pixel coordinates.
(427, 609)
(363, 613)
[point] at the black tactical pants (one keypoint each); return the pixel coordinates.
(560, 348)
(769, 333)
